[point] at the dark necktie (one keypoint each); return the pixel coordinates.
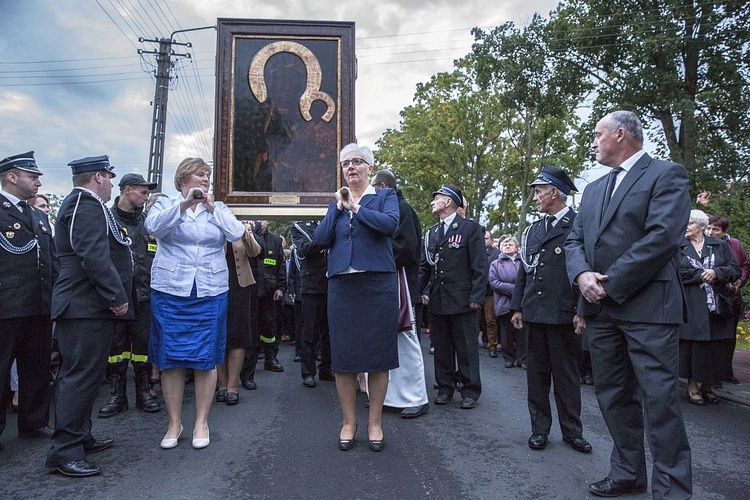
(611, 181)
(548, 220)
(26, 209)
(441, 232)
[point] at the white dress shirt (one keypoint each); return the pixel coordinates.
(191, 247)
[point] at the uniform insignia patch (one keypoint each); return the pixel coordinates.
(558, 250)
(10, 234)
(6, 204)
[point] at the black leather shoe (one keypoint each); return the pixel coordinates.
(249, 385)
(414, 411)
(348, 444)
(376, 445)
(297, 358)
(327, 376)
(733, 380)
(442, 399)
(538, 441)
(273, 365)
(523, 366)
(309, 381)
(98, 445)
(493, 353)
(78, 468)
(233, 398)
(609, 488)
(468, 404)
(588, 380)
(579, 444)
(510, 364)
(40, 432)
(221, 396)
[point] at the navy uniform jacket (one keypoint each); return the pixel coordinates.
(543, 295)
(96, 270)
(25, 278)
(635, 243)
(462, 271)
(312, 258)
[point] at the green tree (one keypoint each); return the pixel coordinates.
(539, 94)
(683, 64)
(451, 134)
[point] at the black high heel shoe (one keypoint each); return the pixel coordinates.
(348, 444)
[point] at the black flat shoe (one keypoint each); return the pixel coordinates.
(609, 488)
(711, 397)
(78, 468)
(98, 445)
(579, 444)
(221, 396)
(468, 404)
(415, 411)
(348, 444)
(442, 399)
(309, 381)
(376, 445)
(233, 398)
(696, 398)
(538, 441)
(249, 385)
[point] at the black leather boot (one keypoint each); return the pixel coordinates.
(119, 400)
(144, 399)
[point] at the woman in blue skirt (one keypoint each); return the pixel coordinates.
(189, 284)
(363, 305)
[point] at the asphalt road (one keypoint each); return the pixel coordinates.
(280, 442)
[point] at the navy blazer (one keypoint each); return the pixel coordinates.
(635, 243)
(364, 241)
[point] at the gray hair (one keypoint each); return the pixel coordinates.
(386, 177)
(699, 217)
(509, 238)
(550, 187)
(364, 151)
(628, 121)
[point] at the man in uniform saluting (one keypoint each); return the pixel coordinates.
(28, 267)
(544, 300)
(91, 294)
(453, 278)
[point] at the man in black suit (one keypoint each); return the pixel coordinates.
(28, 267)
(314, 293)
(621, 255)
(486, 320)
(453, 280)
(89, 297)
(407, 388)
(543, 299)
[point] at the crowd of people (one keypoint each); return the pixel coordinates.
(628, 293)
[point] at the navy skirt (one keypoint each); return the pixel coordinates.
(363, 320)
(187, 332)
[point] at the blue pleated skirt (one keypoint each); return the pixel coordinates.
(187, 332)
(363, 320)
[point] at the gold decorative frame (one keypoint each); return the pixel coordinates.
(257, 188)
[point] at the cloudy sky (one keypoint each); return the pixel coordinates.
(72, 83)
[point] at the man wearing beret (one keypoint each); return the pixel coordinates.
(453, 279)
(28, 267)
(543, 299)
(91, 294)
(130, 341)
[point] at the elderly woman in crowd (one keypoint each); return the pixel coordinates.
(362, 290)
(189, 284)
(239, 337)
(503, 272)
(706, 267)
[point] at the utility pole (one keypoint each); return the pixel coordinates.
(161, 96)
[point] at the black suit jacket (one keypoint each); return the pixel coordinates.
(25, 278)
(461, 272)
(543, 295)
(635, 244)
(96, 270)
(407, 245)
(312, 258)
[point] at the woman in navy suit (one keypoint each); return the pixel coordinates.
(358, 230)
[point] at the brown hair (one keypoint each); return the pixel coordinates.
(188, 167)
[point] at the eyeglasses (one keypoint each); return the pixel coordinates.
(354, 161)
